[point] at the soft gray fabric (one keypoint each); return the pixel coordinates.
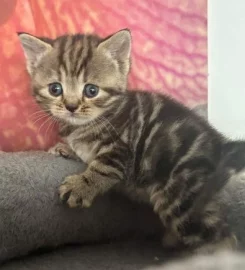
(32, 217)
(222, 261)
(116, 256)
(124, 256)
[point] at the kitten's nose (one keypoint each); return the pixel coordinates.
(71, 107)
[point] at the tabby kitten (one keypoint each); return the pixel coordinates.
(152, 147)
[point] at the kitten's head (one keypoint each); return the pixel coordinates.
(78, 78)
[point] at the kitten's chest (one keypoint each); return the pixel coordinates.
(85, 150)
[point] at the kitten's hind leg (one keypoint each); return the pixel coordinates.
(206, 234)
(188, 231)
(63, 150)
(187, 206)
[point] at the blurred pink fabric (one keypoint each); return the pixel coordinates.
(169, 54)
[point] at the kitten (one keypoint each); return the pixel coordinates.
(153, 147)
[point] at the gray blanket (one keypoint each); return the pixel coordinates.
(32, 217)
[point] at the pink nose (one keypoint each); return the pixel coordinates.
(71, 107)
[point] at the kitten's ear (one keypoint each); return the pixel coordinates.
(34, 48)
(118, 45)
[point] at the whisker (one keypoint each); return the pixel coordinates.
(43, 124)
(111, 125)
(107, 128)
(99, 129)
(50, 125)
(38, 113)
(39, 119)
(92, 126)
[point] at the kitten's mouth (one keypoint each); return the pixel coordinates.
(65, 115)
(75, 119)
(72, 117)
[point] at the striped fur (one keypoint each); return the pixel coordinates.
(148, 145)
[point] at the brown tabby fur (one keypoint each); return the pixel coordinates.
(148, 145)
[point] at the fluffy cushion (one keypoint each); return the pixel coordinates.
(32, 216)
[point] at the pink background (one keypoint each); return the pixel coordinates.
(169, 54)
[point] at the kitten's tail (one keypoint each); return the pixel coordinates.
(232, 162)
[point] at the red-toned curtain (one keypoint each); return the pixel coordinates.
(169, 54)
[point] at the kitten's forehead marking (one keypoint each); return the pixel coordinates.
(74, 52)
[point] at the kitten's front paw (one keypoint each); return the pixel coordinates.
(76, 191)
(61, 150)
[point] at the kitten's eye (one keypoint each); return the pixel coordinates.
(55, 89)
(91, 90)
